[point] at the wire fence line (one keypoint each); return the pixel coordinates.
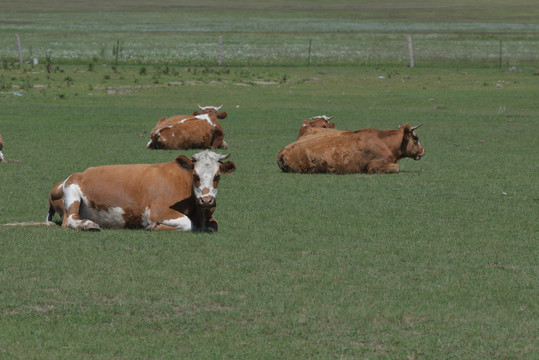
(233, 50)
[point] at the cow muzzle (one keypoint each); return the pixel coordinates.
(206, 201)
(420, 155)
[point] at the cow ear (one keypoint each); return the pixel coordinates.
(406, 129)
(331, 125)
(227, 168)
(222, 115)
(185, 162)
(197, 113)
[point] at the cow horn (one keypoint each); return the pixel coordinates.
(416, 127)
(224, 156)
(200, 107)
(219, 108)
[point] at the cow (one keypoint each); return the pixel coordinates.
(1, 147)
(369, 151)
(198, 131)
(176, 195)
(316, 122)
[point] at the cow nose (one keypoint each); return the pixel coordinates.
(420, 155)
(206, 201)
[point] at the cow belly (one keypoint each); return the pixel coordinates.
(111, 218)
(313, 158)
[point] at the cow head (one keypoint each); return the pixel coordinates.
(410, 145)
(211, 110)
(321, 121)
(207, 167)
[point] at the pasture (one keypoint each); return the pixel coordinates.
(437, 262)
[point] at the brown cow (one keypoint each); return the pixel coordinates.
(1, 147)
(176, 195)
(316, 122)
(345, 152)
(198, 131)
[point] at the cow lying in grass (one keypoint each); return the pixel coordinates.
(176, 195)
(344, 152)
(201, 130)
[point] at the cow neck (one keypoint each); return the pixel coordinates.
(202, 217)
(396, 142)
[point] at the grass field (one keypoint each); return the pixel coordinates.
(437, 262)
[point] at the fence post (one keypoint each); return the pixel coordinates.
(500, 54)
(410, 51)
(117, 50)
(220, 58)
(310, 44)
(19, 47)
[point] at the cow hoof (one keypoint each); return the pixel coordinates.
(91, 226)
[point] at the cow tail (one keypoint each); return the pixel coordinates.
(51, 212)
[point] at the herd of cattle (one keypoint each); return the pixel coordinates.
(181, 194)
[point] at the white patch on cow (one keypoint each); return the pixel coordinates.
(182, 121)
(79, 224)
(145, 219)
(1, 157)
(205, 117)
(72, 193)
(158, 132)
(183, 223)
(111, 218)
(148, 144)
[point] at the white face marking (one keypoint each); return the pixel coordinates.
(205, 117)
(206, 167)
(206, 171)
(183, 223)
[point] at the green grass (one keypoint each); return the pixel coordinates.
(439, 261)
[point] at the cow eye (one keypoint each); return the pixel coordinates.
(217, 177)
(196, 177)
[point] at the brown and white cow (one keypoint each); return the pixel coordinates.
(201, 130)
(369, 151)
(316, 122)
(1, 147)
(176, 195)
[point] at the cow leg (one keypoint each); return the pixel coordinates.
(172, 222)
(72, 201)
(383, 168)
(211, 225)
